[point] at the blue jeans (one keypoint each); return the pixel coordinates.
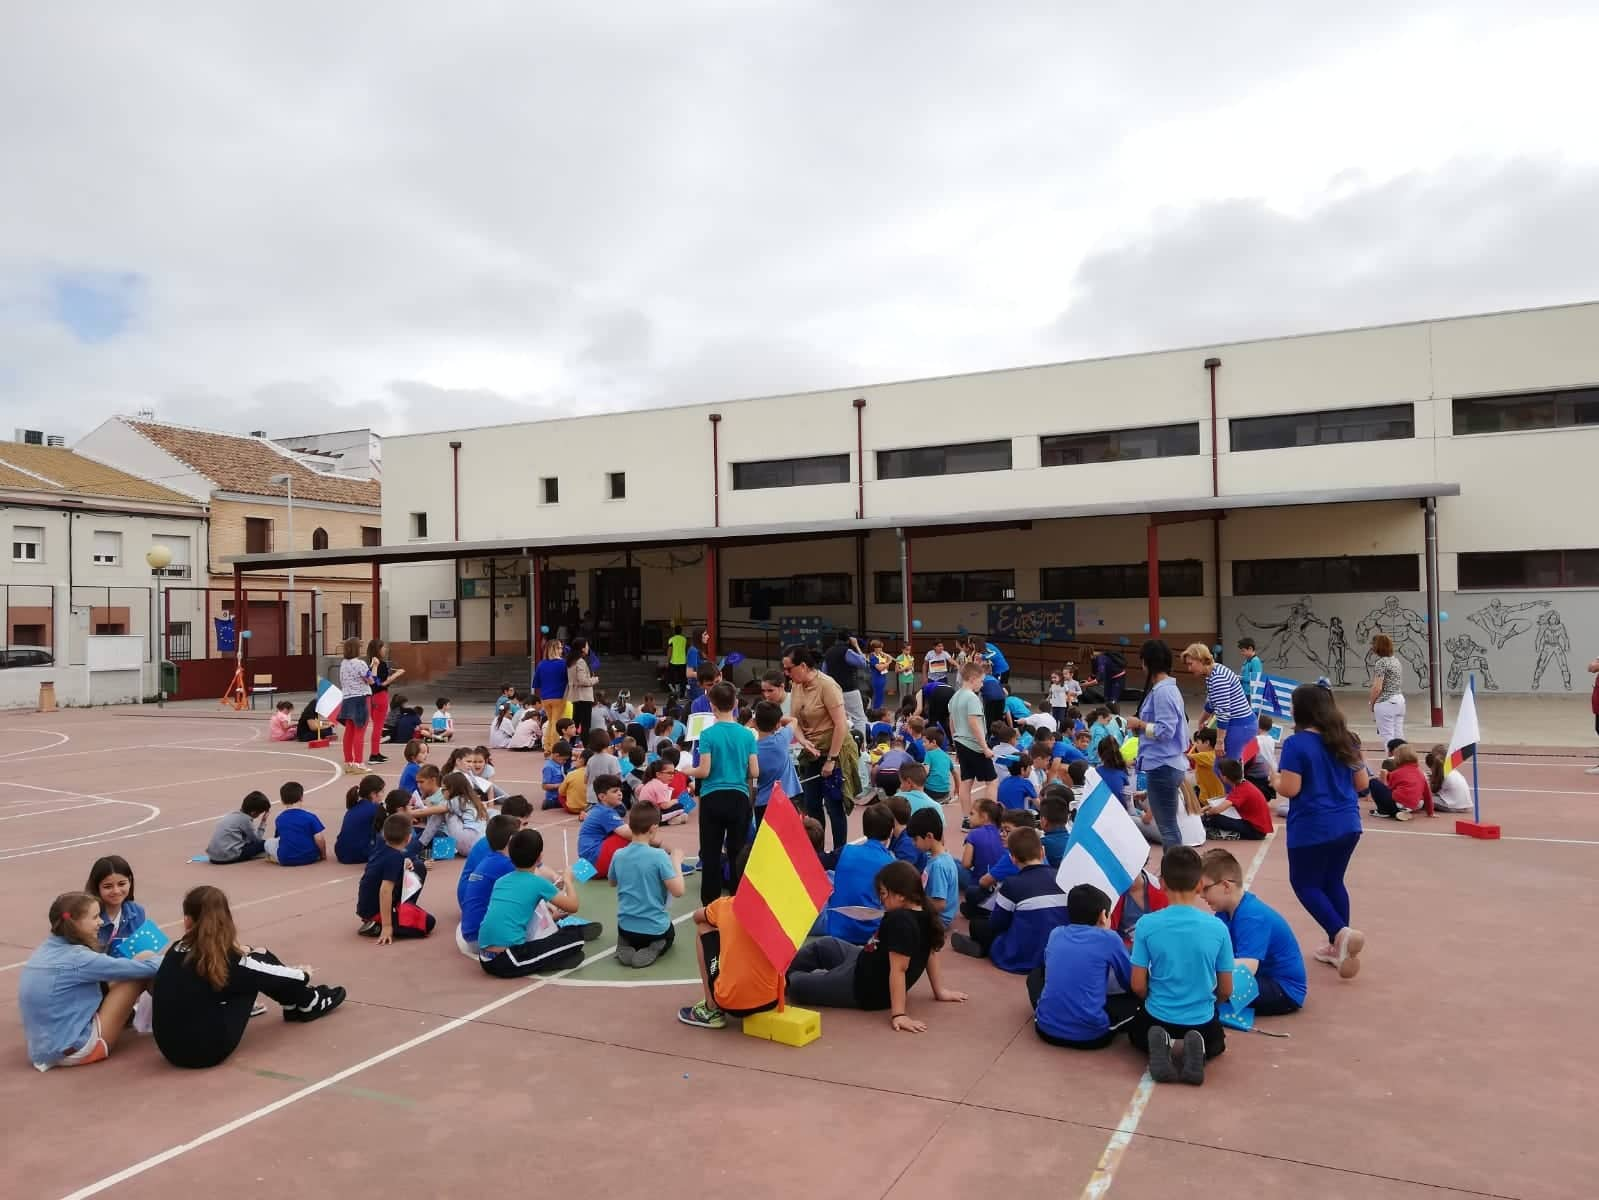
(1165, 794)
(1316, 873)
(1237, 734)
(879, 687)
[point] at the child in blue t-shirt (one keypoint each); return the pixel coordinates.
(1016, 790)
(363, 814)
(1055, 814)
(1262, 941)
(381, 892)
(940, 768)
(983, 843)
(912, 778)
(520, 933)
(554, 773)
(1073, 1004)
(477, 881)
(773, 754)
(1113, 770)
(902, 844)
(940, 876)
(297, 834)
(603, 831)
(416, 755)
(855, 877)
(1182, 965)
(645, 877)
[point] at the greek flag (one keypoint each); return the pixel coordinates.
(1106, 848)
(1274, 694)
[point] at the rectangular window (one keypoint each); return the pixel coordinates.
(27, 635)
(961, 459)
(550, 489)
(180, 645)
(616, 485)
(419, 526)
(1529, 569)
(419, 629)
(790, 472)
(947, 587)
(27, 543)
(178, 546)
(1328, 428)
(1307, 576)
(110, 629)
(371, 535)
(1118, 445)
(107, 548)
(1562, 409)
(792, 591)
(1120, 581)
(257, 535)
(352, 621)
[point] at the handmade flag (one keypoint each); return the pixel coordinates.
(328, 700)
(784, 885)
(1106, 847)
(1273, 694)
(1463, 742)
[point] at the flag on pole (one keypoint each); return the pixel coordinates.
(1463, 742)
(1273, 694)
(1106, 847)
(784, 887)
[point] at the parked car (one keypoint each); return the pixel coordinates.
(26, 656)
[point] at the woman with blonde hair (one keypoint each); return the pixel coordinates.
(1387, 690)
(1226, 701)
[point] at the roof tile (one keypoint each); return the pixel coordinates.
(68, 472)
(235, 463)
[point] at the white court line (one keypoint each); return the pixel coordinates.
(627, 983)
(65, 738)
(327, 1081)
(1548, 841)
(50, 812)
(1105, 1170)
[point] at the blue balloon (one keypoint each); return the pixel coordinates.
(1163, 622)
(1124, 639)
(544, 629)
(1443, 616)
(961, 629)
(916, 623)
(1146, 626)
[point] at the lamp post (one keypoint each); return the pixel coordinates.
(288, 482)
(160, 558)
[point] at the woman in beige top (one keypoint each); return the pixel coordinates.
(817, 707)
(580, 681)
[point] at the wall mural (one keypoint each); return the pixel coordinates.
(1514, 643)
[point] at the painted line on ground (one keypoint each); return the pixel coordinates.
(328, 1081)
(65, 738)
(1099, 1183)
(47, 812)
(1548, 841)
(627, 983)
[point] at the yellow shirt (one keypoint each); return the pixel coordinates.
(575, 791)
(1210, 787)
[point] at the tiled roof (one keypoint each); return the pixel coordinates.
(245, 464)
(55, 469)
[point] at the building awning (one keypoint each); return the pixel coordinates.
(926, 524)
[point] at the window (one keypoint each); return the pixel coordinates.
(107, 548)
(1530, 569)
(27, 543)
(110, 629)
(419, 629)
(1329, 428)
(943, 460)
(1120, 581)
(257, 535)
(27, 635)
(178, 546)
(371, 535)
(1527, 410)
(1118, 445)
(180, 644)
(1306, 576)
(419, 526)
(947, 587)
(793, 591)
(319, 538)
(550, 489)
(616, 485)
(790, 472)
(352, 621)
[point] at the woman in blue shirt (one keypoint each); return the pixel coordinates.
(549, 681)
(1162, 728)
(1321, 773)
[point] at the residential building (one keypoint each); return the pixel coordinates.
(351, 453)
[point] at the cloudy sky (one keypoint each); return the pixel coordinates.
(410, 215)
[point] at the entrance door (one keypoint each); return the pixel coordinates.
(266, 628)
(307, 646)
(558, 600)
(617, 610)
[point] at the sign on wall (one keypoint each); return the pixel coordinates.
(441, 610)
(1033, 621)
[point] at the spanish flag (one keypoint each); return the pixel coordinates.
(1463, 742)
(784, 886)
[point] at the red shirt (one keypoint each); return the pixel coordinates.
(1409, 786)
(1251, 805)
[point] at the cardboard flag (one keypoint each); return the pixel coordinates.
(1106, 848)
(784, 885)
(1463, 742)
(1273, 694)
(1235, 1012)
(146, 937)
(327, 702)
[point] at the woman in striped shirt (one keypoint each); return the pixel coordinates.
(1225, 699)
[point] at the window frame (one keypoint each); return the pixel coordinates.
(422, 617)
(615, 485)
(371, 535)
(548, 484)
(812, 460)
(738, 590)
(106, 560)
(1573, 397)
(905, 455)
(1186, 579)
(18, 542)
(1113, 440)
(344, 620)
(1564, 570)
(1317, 577)
(257, 524)
(319, 533)
(416, 525)
(1364, 414)
(929, 587)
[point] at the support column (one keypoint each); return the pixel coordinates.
(1435, 636)
(241, 620)
(457, 569)
(860, 586)
(535, 610)
(494, 605)
(377, 587)
(905, 606)
(1154, 579)
(712, 598)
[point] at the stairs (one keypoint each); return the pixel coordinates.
(481, 679)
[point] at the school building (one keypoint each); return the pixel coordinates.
(1422, 479)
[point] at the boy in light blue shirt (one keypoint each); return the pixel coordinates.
(940, 876)
(912, 777)
(644, 876)
(773, 754)
(940, 768)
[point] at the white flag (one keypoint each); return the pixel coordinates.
(1106, 848)
(1463, 742)
(328, 702)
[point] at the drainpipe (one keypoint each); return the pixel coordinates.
(1211, 367)
(716, 469)
(860, 458)
(1435, 635)
(455, 485)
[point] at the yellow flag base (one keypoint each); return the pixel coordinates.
(791, 1026)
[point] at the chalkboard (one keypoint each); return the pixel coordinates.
(1033, 621)
(115, 652)
(802, 631)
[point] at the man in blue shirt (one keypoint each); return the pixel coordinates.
(1073, 1005)
(1262, 942)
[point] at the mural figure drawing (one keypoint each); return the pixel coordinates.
(1407, 628)
(1289, 635)
(1496, 621)
(1337, 650)
(1552, 643)
(1465, 656)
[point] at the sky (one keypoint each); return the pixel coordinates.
(302, 217)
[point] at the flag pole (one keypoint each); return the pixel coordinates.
(1476, 792)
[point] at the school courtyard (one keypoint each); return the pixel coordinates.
(1452, 1067)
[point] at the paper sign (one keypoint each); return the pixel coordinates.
(583, 870)
(328, 702)
(698, 723)
(688, 802)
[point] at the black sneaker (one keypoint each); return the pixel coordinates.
(377, 758)
(1193, 1057)
(1160, 1064)
(969, 946)
(324, 1002)
(590, 930)
(370, 929)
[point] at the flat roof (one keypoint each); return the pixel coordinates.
(730, 535)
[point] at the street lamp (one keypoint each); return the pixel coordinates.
(160, 558)
(288, 482)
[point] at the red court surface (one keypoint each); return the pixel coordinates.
(1457, 1063)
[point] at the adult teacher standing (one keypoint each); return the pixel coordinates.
(817, 706)
(1387, 690)
(383, 675)
(1321, 774)
(1225, 699)
(355, 683)
(580, 681)
(1162, 728)
(549, 681)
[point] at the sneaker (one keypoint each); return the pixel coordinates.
(370, 929)
(1328, 955)
(1224, 835)
(702, 1016)
(647, 956)
(324, 1002)
(589, 930)
(1160, 1064)
(1404, 814)
(969, 946)
(259, 1010)
(626, 955)
(966, 822)
(1350, 943)
(1193, 1057)
(377, 758)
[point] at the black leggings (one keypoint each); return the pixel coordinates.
(206, 1039)
(582, 716)
(1212, 1031)
(724, 827)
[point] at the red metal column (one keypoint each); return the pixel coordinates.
(377, 584)
(712, 597)
(905, 578)
(1154, 579)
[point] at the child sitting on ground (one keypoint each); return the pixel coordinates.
(1250, 819)
(517, 807)
(855, 876)
(385, 910)
(1182, 965)
(575, 787)
(1403, 790)
(416, 756)
(1262, 942)
(603, 831)
(983, 843)
(407, 721)
(1073, 1003)
(282, 725)
(553, 774)
(362, 819)
(1027, 907)
(739, 980)
(443, 724)
(901, 844)
(645, 877)
(297, 834)
(885, 777)
(1113, 770)
(1016, 790)
(656, 789)
(1143, 895)
(465, 816)
(428, 806)
(519, 934)
(1449, 790)
(940, 767)
(111, 883)
(912, 781)
(1002, 738)
(1055, 813)
(940, 876)
(240, 836)
(477, 884)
